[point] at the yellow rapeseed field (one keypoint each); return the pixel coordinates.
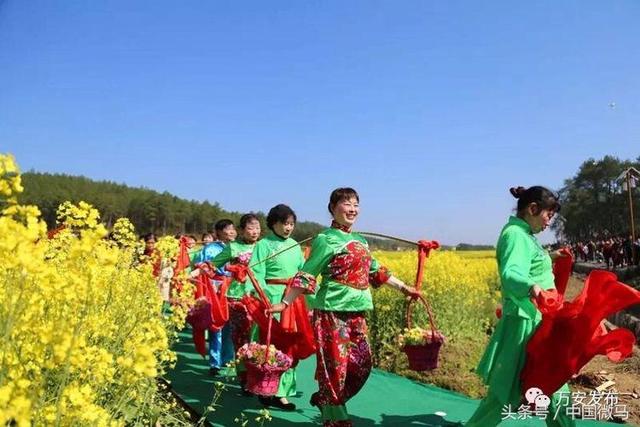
(82, 334)
(461, 287)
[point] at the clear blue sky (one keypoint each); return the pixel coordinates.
(430, 109)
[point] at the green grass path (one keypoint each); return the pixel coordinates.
(386, 399)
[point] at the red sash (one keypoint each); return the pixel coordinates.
(293, 334)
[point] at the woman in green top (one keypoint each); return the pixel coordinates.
(273, 274)
(343, 259)
(525, 269)
(239, 251)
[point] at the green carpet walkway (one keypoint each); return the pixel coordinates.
(386, 399)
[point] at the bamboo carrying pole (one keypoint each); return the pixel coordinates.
(385, 236)
(279, 252)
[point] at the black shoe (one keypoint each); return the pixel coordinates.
(312, 403)
(214, 372)
(265, 400)
(277, 403)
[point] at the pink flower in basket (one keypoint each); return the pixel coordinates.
(199, 316)
(256, 354)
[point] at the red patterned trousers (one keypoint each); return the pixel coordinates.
(343, 363)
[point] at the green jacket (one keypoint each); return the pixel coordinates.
(522, 263)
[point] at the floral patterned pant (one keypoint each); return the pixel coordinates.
(343, 362)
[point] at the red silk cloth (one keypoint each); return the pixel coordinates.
(183, 260)
(293, 334)
(213, 311)
(571, 332)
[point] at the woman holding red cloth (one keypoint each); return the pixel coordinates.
(343, 296)
(525, 269)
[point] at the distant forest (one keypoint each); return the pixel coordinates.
(148, 210)
(595, 201)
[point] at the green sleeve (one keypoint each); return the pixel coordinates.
(514, 261)
(223, 257)
(321, 254)
(260, 252)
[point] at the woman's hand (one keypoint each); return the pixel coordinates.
(535, 291)
(399, 285)
(410, 291)
(558, 253)
(276, 308)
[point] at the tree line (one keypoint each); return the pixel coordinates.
(595, 204)
(149, 210)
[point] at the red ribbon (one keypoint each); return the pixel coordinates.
(424, 249)
(183, 260)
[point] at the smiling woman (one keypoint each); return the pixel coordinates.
(343, 259)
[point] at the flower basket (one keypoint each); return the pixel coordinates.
(265, 365)
(422, 347)
(199, 316)
(263, 380)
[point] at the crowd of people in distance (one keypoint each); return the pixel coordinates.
(614, 252)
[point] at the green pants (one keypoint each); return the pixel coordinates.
(491, 410)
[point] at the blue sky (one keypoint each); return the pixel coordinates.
(430, 109)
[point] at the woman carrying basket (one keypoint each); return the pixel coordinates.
(525, 269)
(239, 252)
(343, 355)
(274, 273)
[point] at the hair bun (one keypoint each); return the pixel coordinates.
(517, 192)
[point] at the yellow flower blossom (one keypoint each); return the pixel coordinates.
(85, 338)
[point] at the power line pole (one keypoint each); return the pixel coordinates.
(631, 176)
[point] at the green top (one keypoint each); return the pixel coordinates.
(522, 263)
(235, 252)
(192, 258)
(347, 267)
(283, 266)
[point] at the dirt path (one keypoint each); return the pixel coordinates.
(625, 376)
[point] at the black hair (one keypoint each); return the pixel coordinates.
(340, 194)
(541, 196)
(280, 213)
(149, 236)
(205, 235)
(222, 224)
(246, 219)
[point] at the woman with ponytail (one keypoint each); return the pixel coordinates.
(525, 269)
